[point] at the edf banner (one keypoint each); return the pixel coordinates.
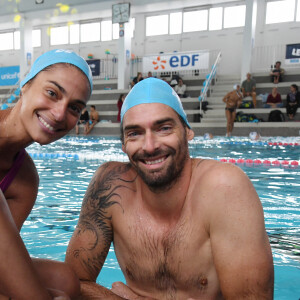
(176, 62)
(9, 75)
(292, 54)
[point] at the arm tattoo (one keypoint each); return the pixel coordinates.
(102, 193)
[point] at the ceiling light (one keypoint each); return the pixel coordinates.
(39, 1)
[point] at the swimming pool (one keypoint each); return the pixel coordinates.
(66, 167)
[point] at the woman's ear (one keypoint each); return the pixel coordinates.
(24, 88)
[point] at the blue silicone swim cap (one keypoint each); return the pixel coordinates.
(153, 90)
(57, 56)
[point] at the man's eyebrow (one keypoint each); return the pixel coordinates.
(158, 122)
(64, 92)
(130, 127)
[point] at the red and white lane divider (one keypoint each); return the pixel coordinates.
(282, 144)
(258, 162)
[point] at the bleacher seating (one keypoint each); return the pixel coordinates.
(105, 95)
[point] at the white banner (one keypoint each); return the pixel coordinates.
(176, 62)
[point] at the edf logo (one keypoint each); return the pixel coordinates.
(183, 60)
(176, 61)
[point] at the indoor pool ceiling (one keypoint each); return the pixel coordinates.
(8, 7)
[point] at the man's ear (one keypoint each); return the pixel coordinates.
(190, 134)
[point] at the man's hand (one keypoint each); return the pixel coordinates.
(122, 290)
(58, 295)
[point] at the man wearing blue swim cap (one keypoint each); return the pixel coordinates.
(182, 227)
(52, 96)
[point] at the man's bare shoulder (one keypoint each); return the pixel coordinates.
(113, 169)
(214, 171)
(222, 182)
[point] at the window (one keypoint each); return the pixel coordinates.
(280, 11)
(176, 23)
(17, 40)
(132, 26)
(215, 18)
(106, 30)
(90, 32)
(6, 41)
(74, 33)
(59, 35)
(234, 16)
(195, 20)
(298, 11)
(36, 38)
(157, 25)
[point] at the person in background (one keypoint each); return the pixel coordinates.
(292, 101)
(138, 78)
(119, 104)
(150, 74)
(182, 228)
(180, 88)
(53, 94)
(249, 87)
(94, 118)
(83, 120)
(208, 136)
(274, 99)
(233, 100)
(277, 73)
(254, 136)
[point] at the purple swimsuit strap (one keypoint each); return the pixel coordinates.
(11, 174)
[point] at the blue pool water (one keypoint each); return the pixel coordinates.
(66, 167)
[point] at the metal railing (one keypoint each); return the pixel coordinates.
(208, 82)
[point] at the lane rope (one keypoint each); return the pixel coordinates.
(238, 161)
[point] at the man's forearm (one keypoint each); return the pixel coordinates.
(93, 291)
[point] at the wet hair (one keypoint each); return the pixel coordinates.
(93, 106)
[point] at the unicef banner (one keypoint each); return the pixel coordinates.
(176, 62)
(9, 75)
(292, 54)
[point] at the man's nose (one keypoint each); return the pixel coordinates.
(150, 142)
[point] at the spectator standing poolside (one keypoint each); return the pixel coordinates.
(233, 100)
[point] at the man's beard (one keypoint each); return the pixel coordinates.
(160, 181)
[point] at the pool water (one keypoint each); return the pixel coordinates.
(66, 167)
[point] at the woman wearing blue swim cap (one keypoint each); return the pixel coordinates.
(52, 96)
